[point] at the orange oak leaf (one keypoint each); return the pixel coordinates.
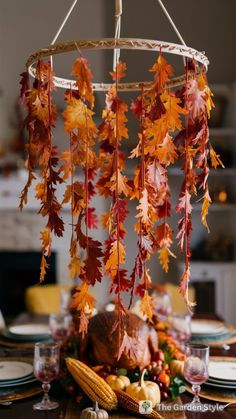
(122, 183)
(166, 152)
(83, 302)
(147, 306)
(171, 118)
(215, 158)
(82, 299)
(119, 72)
(84, 76)
(162, 71)
(77, 115)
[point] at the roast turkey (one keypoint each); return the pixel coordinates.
(101, 347)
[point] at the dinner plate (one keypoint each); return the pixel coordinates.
(230, 387)
(30, 329)
(216, 381)
(18, 383)
(206, 327)
(16, 380)
(23, 338)
(10, 370)
(223, 368)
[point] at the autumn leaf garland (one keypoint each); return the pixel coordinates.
(173, 125)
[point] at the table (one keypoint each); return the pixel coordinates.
(68, 409)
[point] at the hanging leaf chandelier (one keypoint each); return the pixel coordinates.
(172, 113)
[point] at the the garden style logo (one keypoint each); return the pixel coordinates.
(145, 407)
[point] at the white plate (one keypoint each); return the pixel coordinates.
(200, 327)
(208, 383)
(10, 370)
(29, 329)
(226, 382)
(18, 383)
(223, 370)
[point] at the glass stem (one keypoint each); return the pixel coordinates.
(46, 387)
(196, 390)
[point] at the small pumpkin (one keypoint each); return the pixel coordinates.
(94, 413)
(145, 390)
(118, 383)
(177, 368)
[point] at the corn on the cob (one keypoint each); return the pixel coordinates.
(94, 386)
(132, 405)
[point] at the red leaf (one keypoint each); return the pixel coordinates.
(120, 282)
(137, 107)
(92, 218)
(120, 209)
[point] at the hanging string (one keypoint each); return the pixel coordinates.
(118, 13)
(64, 22)
(172, 23)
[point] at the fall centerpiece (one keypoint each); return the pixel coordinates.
(172, 114)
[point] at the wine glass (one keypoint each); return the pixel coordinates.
(60, 325)
(196, 372)
(162, 304)
(180, 328)
(46, 369)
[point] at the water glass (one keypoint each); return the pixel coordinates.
(196, 372)
(180, 328)
(46, 369)
(65, 297)
(60, 326)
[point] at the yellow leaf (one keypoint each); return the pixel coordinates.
(215, 159)
(164, 256)
(41, 191)
(147, 306)
(205, 208)
(117, 256)
(43, 269)
(74, 267)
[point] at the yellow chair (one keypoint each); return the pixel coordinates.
(44, 299)
(177, 301)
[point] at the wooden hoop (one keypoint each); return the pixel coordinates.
(121, 43)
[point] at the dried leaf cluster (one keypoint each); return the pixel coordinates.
(172, 126)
